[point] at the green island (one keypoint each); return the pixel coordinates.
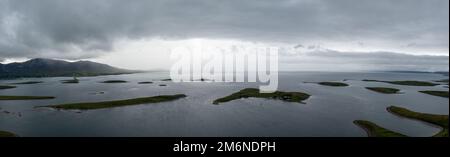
(28, 82)
(162, 85)
(116, 103)
(25, 97)
(438, 120)
(373, 130)
(73, 81)
(442, 81)
(166, 80)
(384, 90)
(7, 134)
(203, 80)
(253, 92)
(436, 93)
(97, 93)
(6, 87)
(146, 82)
(405, 83)
(333, 84)
(114, 81)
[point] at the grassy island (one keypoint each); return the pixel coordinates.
(406, 83)
(6, 87)
(384, 90)
(166, 80)
(253, 92)
(25, 97)
(28, 82)
(114, 81)
(333, 84)
(436, 93)
(116, 103)
(438, 120)
(146, 82)
(373, 130)
(442, 81)
(70, 81)
(203, 80)
(7, 134)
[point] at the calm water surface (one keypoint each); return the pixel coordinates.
(329, 112)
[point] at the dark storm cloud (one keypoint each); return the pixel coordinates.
(87, 28)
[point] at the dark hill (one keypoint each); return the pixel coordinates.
(54, 68)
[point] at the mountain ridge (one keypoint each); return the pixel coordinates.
(43, 67)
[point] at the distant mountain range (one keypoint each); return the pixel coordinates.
(41, 67)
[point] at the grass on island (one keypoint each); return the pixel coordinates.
(114, 81)
(436, 93)
(384, 90)
(7, 134)
(25, 97)
(97, 93)
(166, 80)
(333, 84)
(6, 87)
(116, 103)
(147, 82)
(28, 82)
(203, 80)
(252, 92)
(74, 81)
(406, 83)
(438, 120)
(373, 130)
(442, 81)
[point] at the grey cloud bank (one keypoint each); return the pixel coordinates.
(331, 60)
(80, 29)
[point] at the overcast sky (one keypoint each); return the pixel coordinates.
(139, 34)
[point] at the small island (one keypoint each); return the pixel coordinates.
(28, 82)
(405, 83)
(253, 92)
(162, 85)
(442, 81)
(373, 130)
(146, 82)
(384, 90)
(166, 80)
(436, 93)
(7, 134)
(438, 120)
(333, 84)
(6, 87)
(203, 80)
(116, 103)
(72, 81)
(114, 81)
(25, 97)
(97, 93)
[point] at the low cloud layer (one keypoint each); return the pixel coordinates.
(84, 28)
(331, 60)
